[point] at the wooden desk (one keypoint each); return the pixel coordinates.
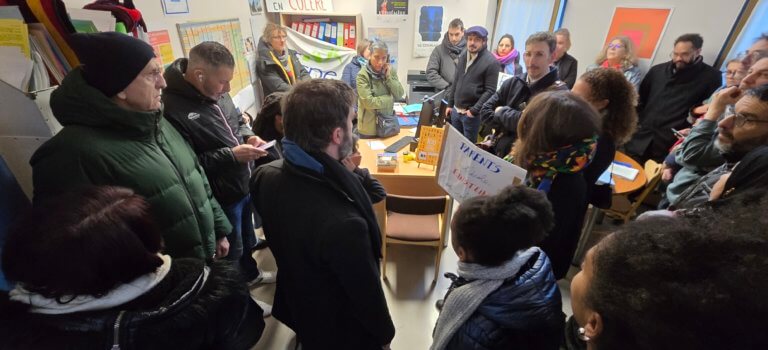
(409, 179)
(624, 186)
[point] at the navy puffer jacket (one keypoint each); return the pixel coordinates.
(524, 313)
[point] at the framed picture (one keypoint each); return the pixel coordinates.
(644, 26)
(175, 7)
(256, 7)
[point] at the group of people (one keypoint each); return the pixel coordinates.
(143, 222)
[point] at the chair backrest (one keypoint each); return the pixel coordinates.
(416, 205)
(652, 178)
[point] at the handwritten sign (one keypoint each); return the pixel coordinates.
(302, 6)
(467, 171)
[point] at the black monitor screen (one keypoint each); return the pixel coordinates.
(425, 117)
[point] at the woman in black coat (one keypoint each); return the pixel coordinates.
(91, 275)
(557, 140)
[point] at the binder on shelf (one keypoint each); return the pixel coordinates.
(308, 29)
(315, 28)
(328, 32)
(346, 34)
(295, 26)
(340, 36)
(334, 32)
(352, 42)
(321, 32)
(300, 28)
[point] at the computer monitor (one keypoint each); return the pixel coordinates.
(425, 116)
(440, 118)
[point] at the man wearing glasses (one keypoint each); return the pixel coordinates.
(738, 134)
(667, 93)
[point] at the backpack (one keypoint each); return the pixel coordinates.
(125, 13)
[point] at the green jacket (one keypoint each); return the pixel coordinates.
(372, 96)
(103, 144)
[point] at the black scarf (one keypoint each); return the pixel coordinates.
(454, 50)
(346, 181)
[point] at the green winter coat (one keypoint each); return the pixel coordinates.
(103, 144)
(372, 96)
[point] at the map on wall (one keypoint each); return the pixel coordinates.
(225, 32)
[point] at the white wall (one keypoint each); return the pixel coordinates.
(588, 21)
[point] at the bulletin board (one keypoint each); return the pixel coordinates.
(227, 32)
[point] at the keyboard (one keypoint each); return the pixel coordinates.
(399, 144)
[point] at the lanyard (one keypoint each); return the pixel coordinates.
(290, 63)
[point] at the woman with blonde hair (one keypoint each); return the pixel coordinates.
(619, 54)
(278, 67)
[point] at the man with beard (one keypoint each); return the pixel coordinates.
(667, 93)
(475, 81)
(321, 227)
(503, 110)
(738, 134)
(442, 62)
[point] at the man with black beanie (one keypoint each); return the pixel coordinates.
(115, 134)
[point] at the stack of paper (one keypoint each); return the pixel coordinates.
(15, 69)
(102, 21)
(623, 170)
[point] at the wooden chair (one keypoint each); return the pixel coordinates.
(415, 221)
(625, 209)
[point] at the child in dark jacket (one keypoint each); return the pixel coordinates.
(506, 296)
(373, 187)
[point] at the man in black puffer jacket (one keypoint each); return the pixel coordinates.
(503, 110)
(198, 104)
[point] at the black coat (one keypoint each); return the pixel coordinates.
(513, 96)
(212, 128)
(566, 68)
(474, 85)
(271, 75)
(665, 99)
(524, 313)
(328, 289)
(568, 196)
(600, 195)
(178, 313)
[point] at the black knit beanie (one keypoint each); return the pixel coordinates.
(111, 60)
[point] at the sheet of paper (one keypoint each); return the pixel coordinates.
(14, 33)
(102, 20)
(15, 69)
(605, 178)
(624, 171)
(377, 145)
(413, 108)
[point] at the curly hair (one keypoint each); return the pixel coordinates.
(492, 228)
(629, 60)
(619, 119)
(684, 283)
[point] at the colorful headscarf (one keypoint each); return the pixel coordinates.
(567, 160)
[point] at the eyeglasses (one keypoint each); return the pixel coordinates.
(740, 119)
(615, 46)
(280, 37)
(155, 75)
(732, 72)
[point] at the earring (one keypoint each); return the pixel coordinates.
(583, 334)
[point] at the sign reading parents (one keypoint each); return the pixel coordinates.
(322, 59)
(467, 171)
(303, 6)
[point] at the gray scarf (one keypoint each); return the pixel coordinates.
(454, 50)
(464, 300)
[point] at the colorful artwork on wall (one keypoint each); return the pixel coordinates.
(644, 26)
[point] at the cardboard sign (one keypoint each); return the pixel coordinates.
(430, 140)
(466, 171)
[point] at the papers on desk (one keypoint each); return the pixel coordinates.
(624, 170)
(377, 145)
(606, 178)
(413, 108)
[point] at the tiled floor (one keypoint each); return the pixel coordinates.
(409, 290)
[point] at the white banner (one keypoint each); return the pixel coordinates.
(467, 171)
(321, 59)
(302, 6)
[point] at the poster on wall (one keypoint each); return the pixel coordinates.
(390, 7)
(175, 7)
(429, 28)
(320, 58)
(256, 7)
(390, 37)
(227, 32)
(644, 26)
(303, 6)
(466, 171)
(161, 42)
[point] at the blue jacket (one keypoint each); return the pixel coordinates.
(524, 313)
(349, 75)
